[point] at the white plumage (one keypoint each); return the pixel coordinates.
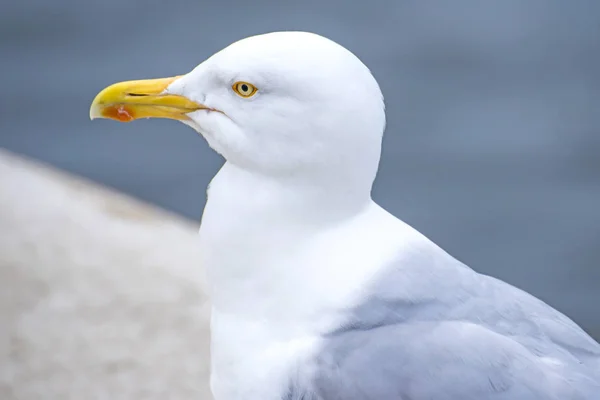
(317, 292)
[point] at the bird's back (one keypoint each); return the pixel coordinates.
(432, 328)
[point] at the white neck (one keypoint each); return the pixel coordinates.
(284, 262)
(254, 230)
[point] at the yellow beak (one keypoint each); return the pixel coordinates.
(127, 101)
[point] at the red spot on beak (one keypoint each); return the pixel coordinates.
(119, 112)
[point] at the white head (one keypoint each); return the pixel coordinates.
(289, 105)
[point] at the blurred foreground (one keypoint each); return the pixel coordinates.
(101, 295)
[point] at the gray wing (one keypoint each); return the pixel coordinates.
(433, 329)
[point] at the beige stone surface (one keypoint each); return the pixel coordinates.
(101, 296)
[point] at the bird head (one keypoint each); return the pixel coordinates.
(281, 104)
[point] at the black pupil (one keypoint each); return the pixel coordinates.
(244, 87)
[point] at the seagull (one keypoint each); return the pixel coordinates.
(317, 292)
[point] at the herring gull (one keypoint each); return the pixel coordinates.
(317, 292)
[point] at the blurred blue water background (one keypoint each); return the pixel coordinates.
(492, 147)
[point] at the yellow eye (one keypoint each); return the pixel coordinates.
(244, 89)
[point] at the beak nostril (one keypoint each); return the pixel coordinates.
(136, 94)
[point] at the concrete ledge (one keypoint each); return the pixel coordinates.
(101, 296)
